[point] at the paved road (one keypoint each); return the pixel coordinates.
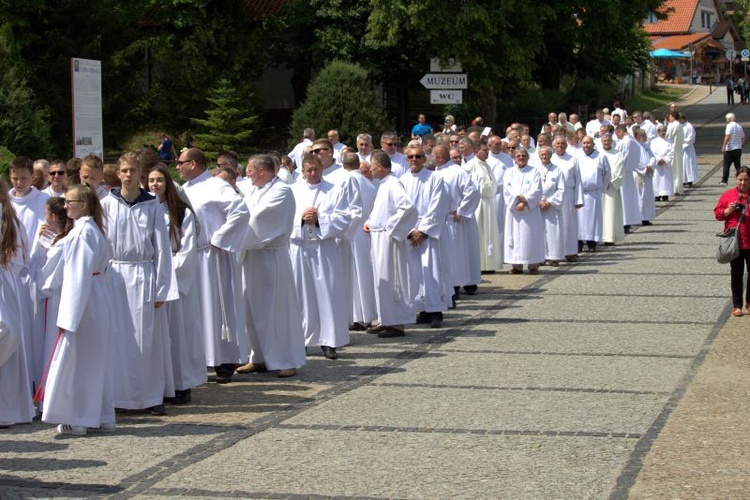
(619, 376)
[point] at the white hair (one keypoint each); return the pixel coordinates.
(730, 117)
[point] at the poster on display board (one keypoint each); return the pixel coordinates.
(86, 86)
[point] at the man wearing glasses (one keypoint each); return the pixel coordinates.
(56, 179)
(389, 144)
(323, 149)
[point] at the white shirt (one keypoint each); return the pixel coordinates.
(736, 136)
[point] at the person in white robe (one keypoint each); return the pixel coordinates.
(524, 226)
(320, 217)
(551, 205)
(392, 218)
(572, 196)
(142, 279)
(490, 241)
(595, 177)
(56, 179)
(462, 232)
(92, 174)
(183, 315)
(676, 135)
(631, 156)
(15, 386)
(79, 392)
(689, 157)
(260, 229)
(613, 230)
(296, 154)
(644, 177)
(218, 272)
(663, 152)
(430, 291)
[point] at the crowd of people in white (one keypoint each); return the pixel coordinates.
(120, 286)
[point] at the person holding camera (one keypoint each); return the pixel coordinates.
(728, 209)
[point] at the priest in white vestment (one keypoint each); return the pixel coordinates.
(551, 205)
(663, 152)
(218, 279)
(142, 279)
(490, 241)
(261, 228)
(524, 226)
(689, 157)
(676, 136)
(391, 221)
(613, 230)
(595, 177)
(644, 176)
(631, 156)
(572, 196)
(430, 291)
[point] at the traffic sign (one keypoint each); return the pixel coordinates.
(446, 97)
(730, 53)
(445, 81)
(745, 53)
(451, 66)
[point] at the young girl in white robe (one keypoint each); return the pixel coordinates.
(15, 389)
(79, 390)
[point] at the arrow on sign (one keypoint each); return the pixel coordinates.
(445, 81)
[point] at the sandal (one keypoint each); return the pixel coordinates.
(737, 312)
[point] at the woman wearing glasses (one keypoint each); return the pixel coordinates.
(79, 389)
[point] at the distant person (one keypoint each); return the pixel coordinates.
(422, 128)
(166, 149)
(729, 82)
(734, 136)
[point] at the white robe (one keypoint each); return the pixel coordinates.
(317, 264)
(80, 384)
(572, 199)
(141, 274)
(362, 283)
(677, 136)
(524, 229)
(184, 314)
(490, 248)
(644, 179)
(430, 291)
(393, 216)
(689, 157)
(261, 228)
(612, 212)
(15, 386)
(553, 191)
(463, 234)
(218, 280)
(631, 156)
(663, 156)
(595, 176)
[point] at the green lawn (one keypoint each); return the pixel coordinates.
(656, 98)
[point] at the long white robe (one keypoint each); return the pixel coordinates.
(663, 156)
(524, 229)
(644, 179)
(218, 280)
(463, 234)
(430, 291)
(491, 251)
(595, 176)
(631, 156)
(317, 264)
(677, 136)
(80, 384)
(499, 163)
(187, 348)
(612, 213)
(553, 191)
(393, 216)
(689, 157)
(362, 282)
(261, 228)
(15, 386)
(572, 199)
(141, 274)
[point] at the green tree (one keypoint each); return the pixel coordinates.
(229, 122)
(340, 97)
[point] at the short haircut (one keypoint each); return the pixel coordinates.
(231, 157)
(93, 161)
(198, 156)
(323, 142)
(311, 159)
(381, 158)
(264, 162)
(365, 138)
(22, 163)
(130, 158)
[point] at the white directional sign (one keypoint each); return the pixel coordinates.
(730, 53)
(446, 97)
(452, 66)
(445, 81)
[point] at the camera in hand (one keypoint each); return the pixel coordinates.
(739, 206)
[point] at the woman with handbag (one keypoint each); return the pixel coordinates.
(730, 208)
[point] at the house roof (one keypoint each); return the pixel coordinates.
(680, 15)
(720, 29)
(682, 42)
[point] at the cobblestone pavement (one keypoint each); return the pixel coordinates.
(621, 375)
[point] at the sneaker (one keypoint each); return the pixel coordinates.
(722, 183)
(71, 430)
(104, 429)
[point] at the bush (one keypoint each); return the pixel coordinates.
(24, 124)
(5, 158)
(340, 98)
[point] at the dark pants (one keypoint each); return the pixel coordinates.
(737, 269)
(730, 96)
(733, 156)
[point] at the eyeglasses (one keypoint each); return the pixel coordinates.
(182, 162)
(454, 142)
(390, 144)
(68, 202)
(57, 172)
(220, 165)
(414, 157)
(316, 151)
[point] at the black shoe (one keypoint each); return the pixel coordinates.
(329, 352)
(646, 223)
(470, 289)
(390, 333)
(436, 320)
(627, 229)
(423, 318)
(180, 398)
(157, 410)
(580, 246)
(358, 327)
